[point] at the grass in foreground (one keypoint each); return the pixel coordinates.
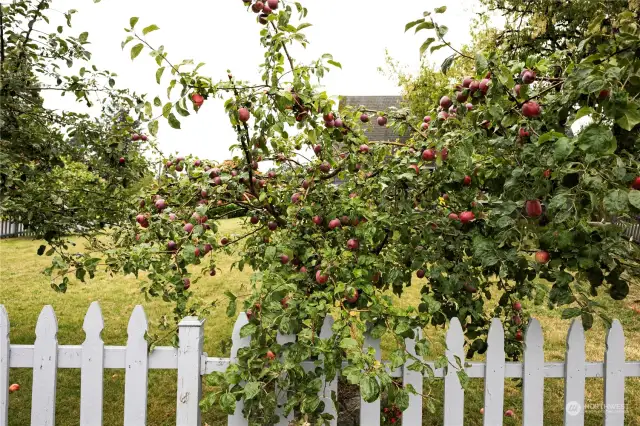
(24, 291)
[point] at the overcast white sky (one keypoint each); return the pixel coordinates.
(225, 36)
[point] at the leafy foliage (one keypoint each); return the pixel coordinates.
(505, 194)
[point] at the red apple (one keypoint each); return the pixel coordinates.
(516, 89)
(353, 298)
(443, 115)
(445, 102)
(14, 388)
(462, 96)
(197, 99)
(160, 204)
(444, 154)
(516, 319)
(467, 81)
(284, 259)
(469, 106)
(212, 272)
(528, 76)
(273, 4)
(257, 7)
(531, 109)
(605, 93)
(334, 223)
(364, 118)
(328, 117)
(272, 226)
(523, 133)
(469, 288)
(382, 121)
(636, 183)
(317, 220)
(270, 355)
(353, 244)
(427, 119)
(428, 154)
(135, 137)
(533, 208)
(254, 220)
(329, 124)
(547, 173)
(303, 270)
(517, 306)
(284, 302)
(295, 198)
(207, 248)
(338, 123)
(542, 257)
(420, 273)
(186, 282)
(188, 228)
(320, 278)
(453, 216)
(466, 217)
(121, 160)
(467, 180)
(364, 148)
(474, 86)
(415, 168)
(196, 252)
(325, 167)
(484, 85)
(243, 114)
(424, 126)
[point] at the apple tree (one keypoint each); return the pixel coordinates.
(505, 192)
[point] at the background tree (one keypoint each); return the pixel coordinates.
(518, 207)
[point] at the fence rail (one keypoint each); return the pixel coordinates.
(45, 356)
(9, 229)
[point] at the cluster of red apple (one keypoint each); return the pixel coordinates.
(263, 8)
(391, 415)
(381, 120)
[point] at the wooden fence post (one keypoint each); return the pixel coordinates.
(45, 363)
(453, 392)
(494, 375)
(92, 372)
(191, 335)
(4, 367)
(614, 376)
(574, 380)
(136, 370)
(533, 376)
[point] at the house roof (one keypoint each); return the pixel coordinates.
(376, 103)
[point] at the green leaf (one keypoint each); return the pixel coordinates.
(563, 149)
(587, 320)
(348, 343)
(402, 399)
(228, 403)
(442, 31)
(159, 74)
(149, 29)
(303, 26)
(369, 388)
(334, 63)
(441, 9)
(251, 390)
(616, 201)
(248, 330)
(133, 21)
(630, 117)
(446, 64)
(481, 63)
(426, 45)
(166, 109)
(571, 313)
(126, 41)
(412, 24)
(83, 37)
(148, 108)
(585, 110)
(157, 102)
(436, 47)
(173, 121)
(427, 25)
(634, 198)
(41, 250)
(153, 128)
(135, 50)
(597, 140)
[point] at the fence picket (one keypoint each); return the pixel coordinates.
(283, 339)
(412, 416)
(332, 386)
(45, 361)
(453, 392)
(91, 375)
(370, 411)
(136, 374)
(494, 375)
(533, 376)
(237, 418)
(574, 376)
(4, 366)
(614, 376)
(191, 337)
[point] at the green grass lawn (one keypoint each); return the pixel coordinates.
(24, 290)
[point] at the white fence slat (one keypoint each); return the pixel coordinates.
(494, 376)
(237, 418)
(136, 374)
(332, 386)
(574, 376)
(283, 339)
(453, 392)
(412, 416)
(370, 411)
(45, 356)
(91, 375)
(614, 376)
(533, 377)
(4, 367)
(189, 393)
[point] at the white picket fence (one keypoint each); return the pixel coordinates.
(9, 229)
(45, 356)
